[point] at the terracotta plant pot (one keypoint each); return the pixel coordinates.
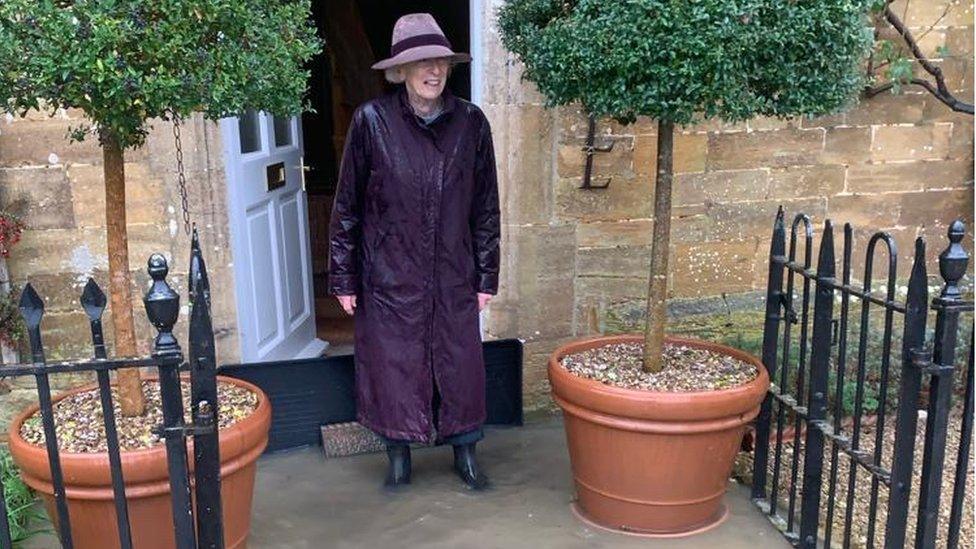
(652, 463)
(88, 482)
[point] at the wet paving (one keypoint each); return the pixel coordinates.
(304, 500)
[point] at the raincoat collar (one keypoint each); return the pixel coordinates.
(450, 102)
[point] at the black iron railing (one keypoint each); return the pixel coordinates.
(162, 307)
(810, 392)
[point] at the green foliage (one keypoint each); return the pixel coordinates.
(682, 60)
(898, 68)
(13, 331)
(126, 61)
(22, 512)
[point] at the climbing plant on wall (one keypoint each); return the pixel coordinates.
(127, 62)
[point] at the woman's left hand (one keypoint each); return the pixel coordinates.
(483, 300)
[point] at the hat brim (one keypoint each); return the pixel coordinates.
(421, 52)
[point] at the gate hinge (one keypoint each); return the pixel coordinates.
(922, 359)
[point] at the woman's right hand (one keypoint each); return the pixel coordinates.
(348, 303)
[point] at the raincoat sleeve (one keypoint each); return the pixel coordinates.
(345, 225)
(485, 221)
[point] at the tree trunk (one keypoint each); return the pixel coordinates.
(131, 398)
(657, 286)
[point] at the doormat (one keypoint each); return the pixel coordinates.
(349, 439)
(309, 393)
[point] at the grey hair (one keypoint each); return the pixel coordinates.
(394, 74)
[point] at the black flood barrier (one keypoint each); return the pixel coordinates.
(308, 393)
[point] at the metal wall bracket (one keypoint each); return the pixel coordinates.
(589, 149)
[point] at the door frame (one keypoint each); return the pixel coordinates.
(475, 36)
(232, 156)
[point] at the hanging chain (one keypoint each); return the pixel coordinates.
(182, 176)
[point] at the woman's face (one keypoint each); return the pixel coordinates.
(427, 77)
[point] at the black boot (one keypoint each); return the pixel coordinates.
(399, 471)
(466, 466)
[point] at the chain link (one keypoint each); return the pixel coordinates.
(177, 122)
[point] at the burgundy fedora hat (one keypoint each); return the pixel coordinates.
(417, 36)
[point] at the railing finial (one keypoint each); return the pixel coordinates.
(953, 260)
(162, 306)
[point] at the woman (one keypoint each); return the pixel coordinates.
(414, 253)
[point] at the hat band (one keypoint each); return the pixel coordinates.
(417, 41)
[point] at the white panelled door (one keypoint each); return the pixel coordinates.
(269, 235)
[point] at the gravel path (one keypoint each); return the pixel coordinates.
(685, 369)
(80, 427)
(862, 487)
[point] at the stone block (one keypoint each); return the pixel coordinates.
(806, 181)
(715, 125)
(720, 186)
(82, 250)
(523, 138)
(929, 208)
(873, 211)
(41, 195)
(713, 268)
(949, 13)
(903, 246)
(629, 232)
(961, 141)
(847, 145)
(825, 121)
(957, 73)
(574, 122)
(571, 160)
(146, 195)
(929, 142)
(937, 111)
(887, 108)
(737, 221)
(535, 380)
(959, 42)
(768, 123)
(540, 300)
(548, 250)
(627, 261)
(44, 142)
(690, 151)
(199, 137)
(908, 176)
(507, 86)
(626, 198)
(602, 290)
(67, 336)
(61, 292)
(772, 149)
(928, 41)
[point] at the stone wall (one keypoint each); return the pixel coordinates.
(572, 260)
(59, 187)
(575, 260)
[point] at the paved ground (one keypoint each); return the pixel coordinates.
(306, 501)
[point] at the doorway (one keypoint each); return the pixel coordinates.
(357, 34)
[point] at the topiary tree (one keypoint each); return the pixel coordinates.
(682, 61)
(126, 62)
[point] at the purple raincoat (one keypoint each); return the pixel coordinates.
(414, 234)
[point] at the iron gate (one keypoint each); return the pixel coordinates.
(809, 392)
(162, 307)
